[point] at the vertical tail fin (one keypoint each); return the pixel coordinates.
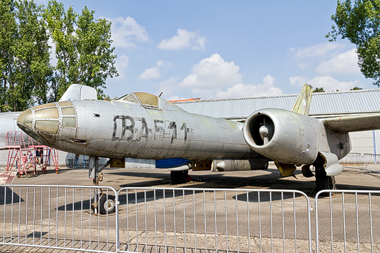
(302, 105)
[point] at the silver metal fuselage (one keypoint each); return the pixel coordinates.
(128, 130)
(118, 129)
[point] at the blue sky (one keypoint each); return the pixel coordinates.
(222, 49)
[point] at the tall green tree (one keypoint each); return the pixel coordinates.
(24, 55)
(32, 55)
(82, 48)
(359, 22)
(8, 37)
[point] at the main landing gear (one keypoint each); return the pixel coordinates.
(103, 203)
(323, 182)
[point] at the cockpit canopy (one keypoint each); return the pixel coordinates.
(144, 98)
(148, 101)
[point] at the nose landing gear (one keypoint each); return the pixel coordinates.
(102, 203)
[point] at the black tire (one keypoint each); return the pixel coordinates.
(106, 205)
(323, 182)
(178, 177)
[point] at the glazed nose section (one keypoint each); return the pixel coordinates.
(40, 122)
(47, 120)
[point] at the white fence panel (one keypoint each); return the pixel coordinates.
(58, 217)
(347, 221)
(194, 220)
(189, 220)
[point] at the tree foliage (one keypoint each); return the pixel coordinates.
(28, 34)
(24, 56)
(359, 22)
(82, 46)
(318, 89)
(321, 89)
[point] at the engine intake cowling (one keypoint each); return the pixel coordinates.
(283, 136)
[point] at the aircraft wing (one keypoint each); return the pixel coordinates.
(365, 122)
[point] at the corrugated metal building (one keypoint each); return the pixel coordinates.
(322, 104)
(327, 104)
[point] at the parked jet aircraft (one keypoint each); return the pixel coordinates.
(142, 125)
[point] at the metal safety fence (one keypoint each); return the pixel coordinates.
(359, 160)
(362, 162)
(193, 220)
(353, 160)
(347, 221)
(57, 217)
(189, 220)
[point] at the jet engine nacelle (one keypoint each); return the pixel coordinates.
(283, 136)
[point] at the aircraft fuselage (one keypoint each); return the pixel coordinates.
(119, 129)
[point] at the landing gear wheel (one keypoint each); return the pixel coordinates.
(179, 177)
(105, 205)
(101, 203)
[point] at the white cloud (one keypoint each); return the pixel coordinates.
(154, 72)
(315, 51)
(298, 80)
(305, 56)
(211, 74)
(345, 63)
(328, 83)
(240, 90)
(122, 62)
(168, 87)
(183, 39)
(207, 78)
(214, 77)
(126, 32)
(151, 73)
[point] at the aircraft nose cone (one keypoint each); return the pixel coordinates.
(25, 120)
(40, 122)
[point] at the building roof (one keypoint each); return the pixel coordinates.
(322, 104)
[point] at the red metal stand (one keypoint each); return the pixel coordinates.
(27, 154)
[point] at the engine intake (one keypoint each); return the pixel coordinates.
(283, 136)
